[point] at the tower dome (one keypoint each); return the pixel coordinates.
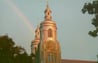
(35, 42)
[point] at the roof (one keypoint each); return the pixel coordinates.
(76, 61)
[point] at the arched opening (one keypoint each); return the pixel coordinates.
(50, 33)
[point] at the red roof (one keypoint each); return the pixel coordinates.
(76, 61)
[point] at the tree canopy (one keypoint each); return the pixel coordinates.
(92, 9)
(10, 53)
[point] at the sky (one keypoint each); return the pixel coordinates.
(19, 19)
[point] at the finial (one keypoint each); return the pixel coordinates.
(47, 12)
(47, 2)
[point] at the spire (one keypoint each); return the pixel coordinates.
(47, 12)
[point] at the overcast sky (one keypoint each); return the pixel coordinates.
(19, 19)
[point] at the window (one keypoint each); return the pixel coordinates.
(49, 33)
(51, 58)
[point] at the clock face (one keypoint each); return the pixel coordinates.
(50, 45)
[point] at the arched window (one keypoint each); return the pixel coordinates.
(50, 33)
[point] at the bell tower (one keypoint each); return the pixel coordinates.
(45, 47)
(49, 45)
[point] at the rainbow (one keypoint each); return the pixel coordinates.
(20, 14)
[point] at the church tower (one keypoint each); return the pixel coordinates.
(46, 46)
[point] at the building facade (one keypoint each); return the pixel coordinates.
(45, 47)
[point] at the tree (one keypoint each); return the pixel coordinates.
(10, 53)
(92, 9)
(6, 47)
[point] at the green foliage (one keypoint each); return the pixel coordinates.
(92, 9)
(9, 53)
